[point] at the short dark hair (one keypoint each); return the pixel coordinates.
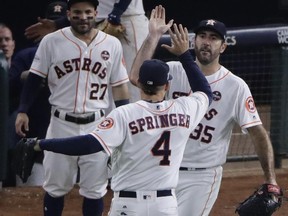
(150, 90)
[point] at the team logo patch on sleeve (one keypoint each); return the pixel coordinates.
(106, 123)
(250, 105)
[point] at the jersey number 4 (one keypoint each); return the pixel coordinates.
(162, 148)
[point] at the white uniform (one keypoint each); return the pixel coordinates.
(146, 151)
(207, 147)
(78, 78)
(136, 24)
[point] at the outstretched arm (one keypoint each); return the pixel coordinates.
(70, 145)
(157, 27)
(264, 151)
(44, 26)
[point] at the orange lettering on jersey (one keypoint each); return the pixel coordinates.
(86, 64)
(74, 65)
(159, 121)
(59, 72)
(210, 114)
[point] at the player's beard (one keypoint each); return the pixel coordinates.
(205, 55)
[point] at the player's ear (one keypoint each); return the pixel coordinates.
(167, 86)
(223, 47)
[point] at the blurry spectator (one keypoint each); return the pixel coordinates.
(7, 43)
(40, 111)
(7, 46)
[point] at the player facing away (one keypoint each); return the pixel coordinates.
(81, 63)
(146, 139)
(205, 152)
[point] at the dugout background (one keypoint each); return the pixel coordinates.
(20, 14)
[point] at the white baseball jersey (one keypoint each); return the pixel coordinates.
(79, 75)
(232, 103)
(148, 139)
(136, 24)
(105, 7)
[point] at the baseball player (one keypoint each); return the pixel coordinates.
(146, 139)
(205, 152)
(80, 63)
(130, 14)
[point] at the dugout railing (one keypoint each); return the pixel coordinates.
(259, 55)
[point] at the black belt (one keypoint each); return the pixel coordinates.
(190, 169)
(79, 120)
(133, 194)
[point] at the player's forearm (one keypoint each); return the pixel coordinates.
(121, 94)
(145, 53)
(118, 9)
(78, 145)
(29, 92)
(264, 150)
(196, 78)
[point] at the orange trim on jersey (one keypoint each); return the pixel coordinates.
(77, 81)
(250, 123)
(134, 36)
(228, 72)
(38, 72)
(102, 39)
(102, 143)
(120, 82)
(211, 189)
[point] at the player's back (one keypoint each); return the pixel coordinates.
(150, 141)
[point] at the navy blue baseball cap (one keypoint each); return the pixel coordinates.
(56, 9)
(71, 2)
(154, 72)
(213, 25)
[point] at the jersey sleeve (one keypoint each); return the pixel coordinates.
(42, 60)
(111, 131)
(246, 111)
(118, 71)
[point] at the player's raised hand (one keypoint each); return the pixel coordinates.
(38, 30)
(157, 22)
(179, 40)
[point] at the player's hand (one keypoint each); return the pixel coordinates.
(22, 124)
(38, 30)
(179, 40)
(157, 23)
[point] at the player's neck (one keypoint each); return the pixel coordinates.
(209, 69)
(88, 37)
(152, 98)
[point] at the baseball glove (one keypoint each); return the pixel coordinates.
(118, 31)
(24, 157)
(263, 202)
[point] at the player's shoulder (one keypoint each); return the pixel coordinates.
(232, 78)
(176, 68)
(104, 35)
